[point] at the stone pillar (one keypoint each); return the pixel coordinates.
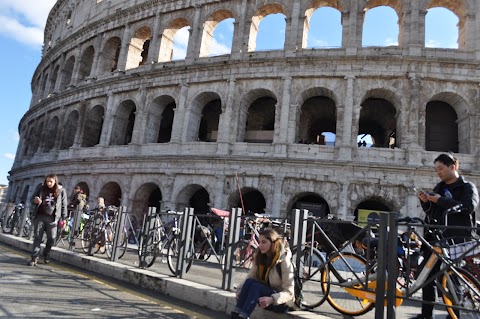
(239, 44)
(414, 37)
(293, 122)
(280, 141)
(61, 128)
(154, 51)
(109, 119)
(179, 117)
(122, 58)
(76, 67)
(345, 151)
(277, 195)
(225, 122)
(292, 29)
(352, 22)
(194, 40)
(218, 196)
(138, 135)
(343, 199)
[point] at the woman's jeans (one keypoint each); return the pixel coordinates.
(43, 223)
(252, 290)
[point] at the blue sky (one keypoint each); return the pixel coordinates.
(21, 38)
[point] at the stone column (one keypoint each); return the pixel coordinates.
(280, 141)
(108, 122)
(61, 63)
(179, 117)
(218, 197)
(352, 22)
(76, 67)
(239, 44)
(138, 135)
(345, 151)
(292, 29)
(414, 37)
(194, 40)
(343, 199)
(277, 195)
(225, 122)
(122, 58)
(154, 51)
(96, 57)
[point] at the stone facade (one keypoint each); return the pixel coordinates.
(113, 113)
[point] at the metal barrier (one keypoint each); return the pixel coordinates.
(119, 227)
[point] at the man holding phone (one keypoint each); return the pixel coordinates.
(451, 191)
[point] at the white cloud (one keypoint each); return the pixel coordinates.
(432, 44)
(390, 41)
(24, 21)
(9, 156)
(180, 43)
(14, 136)
(218, 48)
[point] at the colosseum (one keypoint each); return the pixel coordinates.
(114, 112)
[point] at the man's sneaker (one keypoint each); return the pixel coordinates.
(46, 259)
(33, 261)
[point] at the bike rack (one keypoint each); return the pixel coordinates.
(147, 227)
(119, 225)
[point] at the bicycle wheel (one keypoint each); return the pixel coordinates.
(148, 249)
(337, 273)
(7, 226)
(310, 273)
(122, 243)
(461, 290)
(108, 234)
(244, 254)
(87, 237)
(173, 247)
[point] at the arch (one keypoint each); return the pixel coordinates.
(441, 129)
(318, 116)
(210, 43)
(461, 9)
(138, 48)
(168, 42)
(86, 62)
(315, 204)
(70, 130)
(257, 18)
(112, 193)
(253, 201)
(147, 195)
(257, 98)
(384, 14)
(24, 197)
(441, 28)
(195, 196)
(373, 203)
(326, 21)
(124, 121)
(378, 119)
(84, 188)
(54, 78)
(204, 116)
(36, 138)
(108, 61)
(67, 72)
(93, 126)
(160, 120)
(51, 135)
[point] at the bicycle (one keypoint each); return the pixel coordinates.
(153, 243)
(355, 295)
(12, 223)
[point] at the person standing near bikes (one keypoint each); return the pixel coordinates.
(270, 282)
(76, 204)
(451, 191)
(51, 205)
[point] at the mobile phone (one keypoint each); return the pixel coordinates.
(419, 190)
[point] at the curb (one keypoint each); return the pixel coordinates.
(202, 295)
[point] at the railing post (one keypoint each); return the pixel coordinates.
(185, 243)
(381, 266)
(231, 246)
(119, 226)
(392, 265)
(146, 229)
(298, 234)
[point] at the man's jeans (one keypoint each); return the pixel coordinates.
(43, 223)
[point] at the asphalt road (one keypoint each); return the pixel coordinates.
(59, 291)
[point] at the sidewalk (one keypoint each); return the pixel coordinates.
(197, 293)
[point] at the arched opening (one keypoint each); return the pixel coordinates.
(147, 195)
(441, 128)
(84, 187)
(314, 203)
(175, 41)
(86, 62)
(93, 126)
(446, 24)
(53, 79)
(260, 123)
(51, 135)
(318, 120)
(217, 34)
(160, 120)
(36, 138)
(112, 194)
(378, 119)
(322, 28)
(253, 201)
(380, 27)
(70, 130)
(196, 197)
(138, 48)
(67, 72)
(267, 31)
(108, 61)
(366, 209)
(208, 130)
(124, 121)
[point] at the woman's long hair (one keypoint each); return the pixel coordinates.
(55, 190)
(267, 258)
